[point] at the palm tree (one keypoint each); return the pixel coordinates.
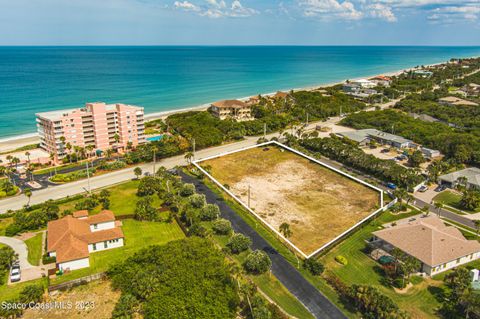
(108, 153)
(426, 210)
(27, 154)
(28, 193)
(89, 149)
(285, 230)
(188, 157)
(439, 207)
(477, 225)
(16, 161)
(69, 148)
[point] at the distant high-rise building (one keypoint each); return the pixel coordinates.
(97, 124)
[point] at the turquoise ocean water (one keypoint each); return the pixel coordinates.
(35, 79)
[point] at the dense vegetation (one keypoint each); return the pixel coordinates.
(458, 145)
(7, 256)
(349, 154)
(183, 279)
(27, 219)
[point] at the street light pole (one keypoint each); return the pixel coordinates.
(88, 178)
(193, 144)
(154, 159)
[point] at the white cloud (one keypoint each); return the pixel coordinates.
(381, 11)
(451, 14)
(185, 5)
(327, 9)
(217, 9)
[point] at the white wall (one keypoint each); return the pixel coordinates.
(52, 254)
(101, 245)
(102, 226)
(451, 264)
(74, 264)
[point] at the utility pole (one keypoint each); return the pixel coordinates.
(264, 130)
(88, 178)
(154, 159)
(193, 149)
(248, 196)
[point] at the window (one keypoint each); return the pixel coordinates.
(94, 246)
(105, 245)
(458, 260)
(95, 226)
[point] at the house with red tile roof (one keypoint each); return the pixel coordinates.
(72, 238)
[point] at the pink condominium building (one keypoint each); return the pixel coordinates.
(96, 124)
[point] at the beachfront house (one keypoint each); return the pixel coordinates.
(436, 246)
(471, 174)
(455, 101)
(231, 109)
(72, 238)
(382, 80)
(363, 137)
(423, 73)
(97, 125)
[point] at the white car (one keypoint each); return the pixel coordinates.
(423, 189)
(15, 273)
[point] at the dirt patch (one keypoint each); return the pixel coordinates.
(315, 201)
(95, 300)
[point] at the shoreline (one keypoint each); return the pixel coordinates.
(13, 142)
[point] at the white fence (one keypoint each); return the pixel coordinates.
(295, 248)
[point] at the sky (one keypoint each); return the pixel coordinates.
(239, 22)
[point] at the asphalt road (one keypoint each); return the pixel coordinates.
(288, 275)
(446, 213)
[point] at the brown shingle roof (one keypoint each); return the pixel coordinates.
(280, 95)
(69, 237)
(230, 103)
(429, 240)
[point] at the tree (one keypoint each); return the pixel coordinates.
(257, 262)
(137, 171)
(477, 225)
(238, 243)
(69, 148)
(285, 230)
(222, 227)
(438, 206)
(425, 210)
(31, 293)
(209, 212)
(313, 266)
(116, 138)
(188, 157)
(197, 201)
(149, 185)
(470, 200)
(416, 158)
(144, 209)
(187, 190)
(27, 154)
(28, 193)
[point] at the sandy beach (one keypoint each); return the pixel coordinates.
(14, 142)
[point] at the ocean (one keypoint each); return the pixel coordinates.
(164, 78)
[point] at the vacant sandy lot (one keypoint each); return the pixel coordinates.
(94, 300)
(315, 201)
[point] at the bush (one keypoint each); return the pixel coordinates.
(198, 230)
(31, 293)
(187, 190)
(48, 260)
(197, 200)
(125, 307)
(222, 227)
(12, 230)
(257, 262)
(341, 260)
(149, 185)
(399, 283)
(111, 166)
(88, 203)
(239, 243)
(209, 212)
(313, 266)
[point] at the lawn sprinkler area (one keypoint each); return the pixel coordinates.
(280, 185)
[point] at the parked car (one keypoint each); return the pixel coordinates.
(440, 188)
(391, 186)
(147, 174)
(423, 189)
(15, 273)
(385, 150)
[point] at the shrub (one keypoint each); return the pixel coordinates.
(149, 185)
(197, 200)
(313, 266)
(125, 307)
(31, 293)
(399, 283)
(209, 212)
(239, 243)
(12, 230)
(88, 203)
(257, 262)
(46, 259)
(187, 190)
(341, 260)
(198, 230)
(222, 227)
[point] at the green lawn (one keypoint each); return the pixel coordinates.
(9, 292)
(58, 168)
(4, 222)
(138, 235)
(453, 199)
(34, 245)
(123, 199)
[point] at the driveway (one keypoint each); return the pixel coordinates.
(20, 248)
(28, 271)
(318, 305)
(428, 195)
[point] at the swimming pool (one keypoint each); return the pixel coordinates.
(154, 138)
